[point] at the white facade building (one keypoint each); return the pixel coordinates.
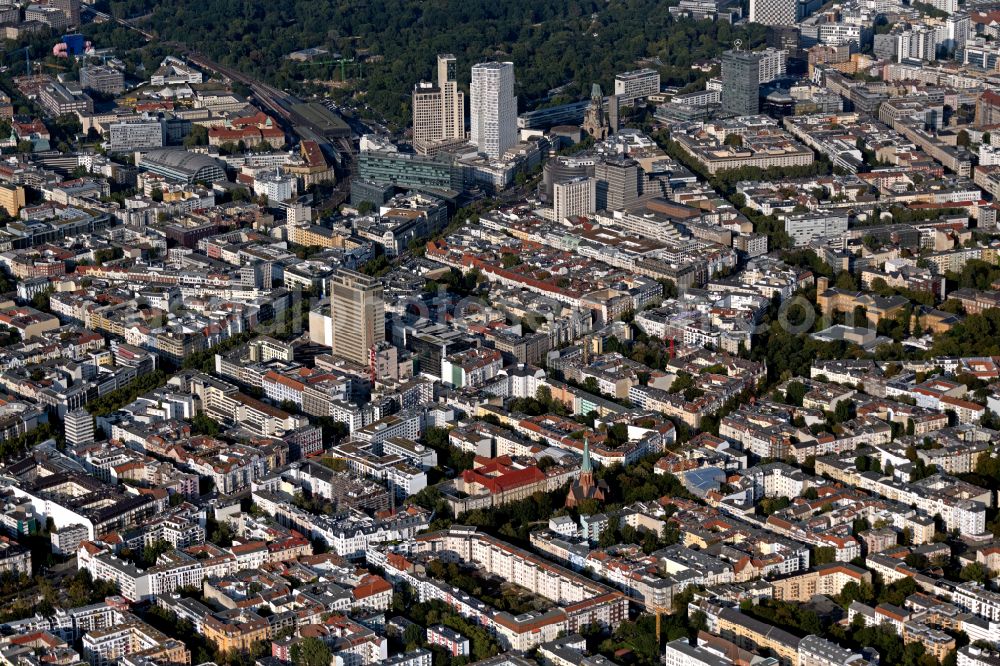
(574, 198)
(493, 108)
(630, 86)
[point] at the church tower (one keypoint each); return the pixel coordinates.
(595, 123)
(585, 487)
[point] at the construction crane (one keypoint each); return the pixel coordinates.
(340, 61)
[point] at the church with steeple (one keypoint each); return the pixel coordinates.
(595, 123)
(585, 487)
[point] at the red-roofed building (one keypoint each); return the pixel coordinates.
(497, 481)
(373, 593)
(254, 130)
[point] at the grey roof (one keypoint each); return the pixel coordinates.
(181, 159)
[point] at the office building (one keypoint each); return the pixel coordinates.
(58, 99)
(564, 114)
(102, 79)
(421, 172)
(438, 108)
(774, 12)
(358, 315)
(79, 427)
(493, 108)
(740, 82)
(630, 86)
(574, 198)
(141, 134)
(617, 183)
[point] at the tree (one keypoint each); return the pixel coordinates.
(974, 572)
(682, 382)
(203, 424)
(846, 281)
(794, 393)
(311, 651)
(413, 637)
(197, 137)
(824, 555)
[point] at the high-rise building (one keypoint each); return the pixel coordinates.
(439, 108)
(740, 82)
(71, 8)
(493, 108)
(614, 106)
(12, 199)
(358, 315)
(617, 183)
(79, 427)
(774, 12)
(574, 198)
(773, 64)
(958, 27)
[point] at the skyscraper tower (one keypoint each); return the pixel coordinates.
(439, 108)
(358, 314)
(740, 82)
(774, 12)
(493, 108)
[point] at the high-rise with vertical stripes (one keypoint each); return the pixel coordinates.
(438, 108)
(493, 108)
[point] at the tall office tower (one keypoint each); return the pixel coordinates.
(357, 311)
(493, 108)
(740, 82)
(774, 12)
(617, 183)
(439, 108)
(71, 8)
(574, 198)
(79, 427)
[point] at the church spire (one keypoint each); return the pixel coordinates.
(585, 466)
